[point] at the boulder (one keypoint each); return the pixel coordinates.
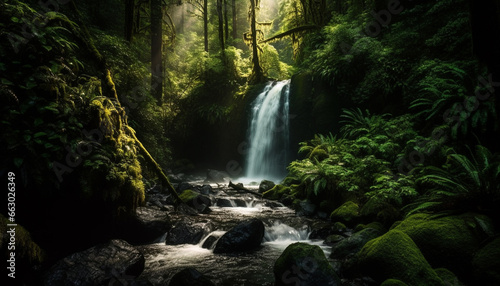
(353, 244)
(147, 225)
(265, 186)
(191, 277)
(276, 192)
(305, 208)
(223, 203)
(183, 186)
(393, 282)
(448, 241)
(333, 239)
(205, 189)
(199, 202)
(449, 278)
(186, 232)
(304, 264)
(486, 264)
(394, 255)
(104, 264)
(209, 243)
(246, 236)
(347, 213)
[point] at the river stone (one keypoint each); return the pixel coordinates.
(305, 265)
(103, 264)
(306, 208)
(186, 232)
(223, 203)
(147, 225)
(199, 202)
(265, 186)
(354, 243)
(245, 236)
(191, 277)
(183, 186)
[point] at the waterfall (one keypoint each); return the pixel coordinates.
(269, 133)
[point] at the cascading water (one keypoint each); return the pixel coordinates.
(269, 133)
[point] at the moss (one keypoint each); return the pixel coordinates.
(393, 282)
(486, 264)
(448, 277)
(347, 213)
(446, 241)
(339, 227)
(375, 225)
(276, 193)
(395, 255)
(188, 195)
(310, 260)
(28, 253)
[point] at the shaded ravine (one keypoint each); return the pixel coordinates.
(282, 227)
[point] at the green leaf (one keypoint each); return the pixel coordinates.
(6, 81)
(47, 48)
(38, 121)
(39, 134)
(18, 162)
(27, 137)
(15, 20)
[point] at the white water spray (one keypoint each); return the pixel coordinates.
(269, 133)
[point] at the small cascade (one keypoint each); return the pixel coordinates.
(269, 133)
(281, 232)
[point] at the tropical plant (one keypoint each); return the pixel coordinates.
(463, 183)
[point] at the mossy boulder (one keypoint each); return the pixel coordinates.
(353, 244)
(196, 200)
(276, 193)
(448, 277)
(447, 241)
(376, 225)
(28, 255)
(395, 255)
(304, 264)
(347, 213)
(266, 185)
(486, 264)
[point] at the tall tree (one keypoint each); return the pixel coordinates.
(226, 21)
(221, 24)
(202, 7)
(156, 50)
(257, 73)
(235, 11)
(129, 19)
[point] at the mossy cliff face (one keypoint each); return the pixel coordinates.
(395, 256)
(447, 241)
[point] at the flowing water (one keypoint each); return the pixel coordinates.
(282, 227)
(269, 133)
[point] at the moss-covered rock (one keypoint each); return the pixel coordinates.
(486, 264)
(276, 193)
(196, 200)
(447, 241)
(448, 277)
(28, 254)
(347, 213)
(376, 225)
(304, 264)
(351, 245)
(393, 282)
(395, 255)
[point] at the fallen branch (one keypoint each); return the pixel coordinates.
(289, 32)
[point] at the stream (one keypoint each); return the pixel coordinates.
(282, 227)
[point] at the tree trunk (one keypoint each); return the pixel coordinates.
(156, 50)
(129, 20)
(226, 21)
(257, 73)
(205, 23)
(235, 30)
(221, 24)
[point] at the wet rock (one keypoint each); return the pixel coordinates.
(273, 205)
(245, 236)
(205, 189)
(265, 186)
(103, 264)
(240, 203)
(351, 245)
(334, 238)
(223, 203)
(196, 200)
(209, 243)
(216, 176)
(347, 213)
(183, 186)
(147, 225)
(304, 264)
(186, 232)
(306, 208)
(191, 277)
